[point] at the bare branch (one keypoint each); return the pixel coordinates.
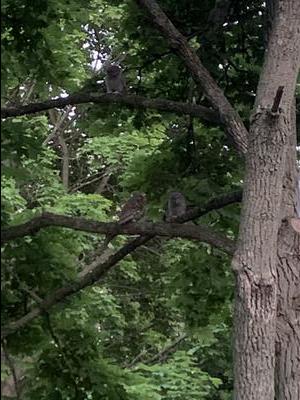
(201, 76)
(58, 124)
(159, 357)
(103, 177)
(136, 359)
(127, 100)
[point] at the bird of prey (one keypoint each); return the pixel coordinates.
(134, 208)
(131, 211)
(176, 206)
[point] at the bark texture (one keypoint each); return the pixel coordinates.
(288, 278)
(255, 261)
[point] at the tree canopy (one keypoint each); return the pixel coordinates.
(153, 320)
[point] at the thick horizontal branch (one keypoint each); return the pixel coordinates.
(234, 124)
(161, 229)
(102, 269)
(127, 100)
(196, 232)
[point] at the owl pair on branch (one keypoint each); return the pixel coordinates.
(133, 209)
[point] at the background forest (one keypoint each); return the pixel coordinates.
(158, 324)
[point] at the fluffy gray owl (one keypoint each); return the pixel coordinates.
(114, 80)
(176, 206)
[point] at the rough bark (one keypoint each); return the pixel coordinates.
(287, 355)
(255, 261)
(288, 278)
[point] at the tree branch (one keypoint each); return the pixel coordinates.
(102, 269)
(127, 100)
(10, 363)
(65, 161)
(165, 352)
(79, 284)
(197, 232)
(215, 203)
(159, 357)
(58, 123)
(201, 76)
(112, 228)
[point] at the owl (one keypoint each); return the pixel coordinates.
(114, 80)
(134, 208)
(176, 206)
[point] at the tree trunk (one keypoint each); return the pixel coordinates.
(288, 295)
(255, 261)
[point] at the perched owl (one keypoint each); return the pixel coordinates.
(176, 206)
(132, 211)
(134, 208)
(114, 80)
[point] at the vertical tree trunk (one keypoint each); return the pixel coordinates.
(288, 295)
(287, 367)
(255, 261)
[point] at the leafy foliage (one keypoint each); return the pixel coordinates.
(109, 341)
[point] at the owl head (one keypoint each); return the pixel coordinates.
(113, 71)
(139, 196)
